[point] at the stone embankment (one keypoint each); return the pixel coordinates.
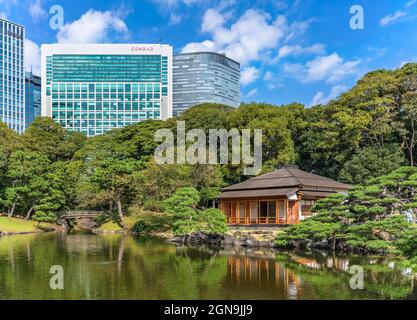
(251, 239)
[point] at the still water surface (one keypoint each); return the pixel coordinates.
(124, 267)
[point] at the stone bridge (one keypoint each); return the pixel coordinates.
(83, 219)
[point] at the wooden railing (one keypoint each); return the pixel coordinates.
(259, 220)
(79, 214)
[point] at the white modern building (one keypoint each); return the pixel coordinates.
(12, 75)
(93, 88)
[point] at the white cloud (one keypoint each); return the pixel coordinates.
(245, 40)
(268, 76)
(399, 15)
(410, 3)
(331, 68)
(296, 29)
(169, 4)
(404, 62)
(378, 51)
(273, 86)
(206, 45)
(272, 81)
(212, 20)
(391, 18)
(175, 19)
(281, 4)
(32, 57)
(252, 93)
(249, 75)
(166, 3)
(3, 15)
(320, 97)
(36, 10)
(92, 27)
(296, 50)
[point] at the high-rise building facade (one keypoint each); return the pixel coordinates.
(205, 77)
(32, 98)
(12, 75)
(93, 88)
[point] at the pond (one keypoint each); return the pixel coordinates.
(126, 267)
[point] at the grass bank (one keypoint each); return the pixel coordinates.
(145, 223)
(9, 226)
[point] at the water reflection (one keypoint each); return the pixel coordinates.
(121, 267)
(245, 271)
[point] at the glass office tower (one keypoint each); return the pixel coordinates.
(205, 77)
(12, 75)
(32, 98)
(93, 88)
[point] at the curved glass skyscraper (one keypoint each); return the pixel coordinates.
(204, 77)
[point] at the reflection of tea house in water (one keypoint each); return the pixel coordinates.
(245, 271)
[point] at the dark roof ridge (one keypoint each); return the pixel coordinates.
(293, 175)
(280, 187)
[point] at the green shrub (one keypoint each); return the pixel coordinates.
(188, 219)
(378, 245)
(281, 243)
(42, 216)
(309, 229)
(144, 227)
(213, 221)
(102, 218)
(407, 243)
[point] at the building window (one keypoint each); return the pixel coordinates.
(306, 208)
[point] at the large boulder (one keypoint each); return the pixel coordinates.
(201, 235)
(248, 243)
(176, 240)
(228, 240)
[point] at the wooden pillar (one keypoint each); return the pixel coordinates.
(289, 213)
(247, 212)
(276, 211)
(259, 211)
(285, 210)
(296, 211)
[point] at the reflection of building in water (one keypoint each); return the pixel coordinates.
(244, 271)
(329, 263)
(311, 263)
(338, 263)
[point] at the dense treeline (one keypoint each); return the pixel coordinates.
(367, 132)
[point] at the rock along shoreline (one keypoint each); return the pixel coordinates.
(248, 240)
(251, 240)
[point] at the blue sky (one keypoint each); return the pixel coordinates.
(289, 50)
